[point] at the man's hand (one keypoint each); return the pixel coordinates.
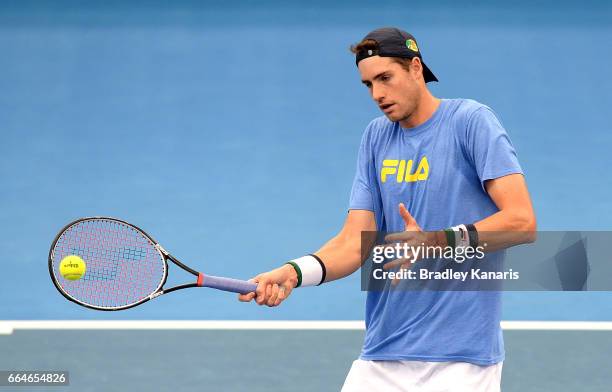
(273, 287)
(413, 236)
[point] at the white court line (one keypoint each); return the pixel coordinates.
(558, 325)
(9, 326)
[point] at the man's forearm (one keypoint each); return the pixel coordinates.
(342, 257)
(501, 230)
(505, 229)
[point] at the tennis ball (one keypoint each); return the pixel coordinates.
(72, 267)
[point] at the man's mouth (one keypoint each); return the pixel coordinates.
(386, 107)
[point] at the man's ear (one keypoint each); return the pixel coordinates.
(416, 66)
(416, 69)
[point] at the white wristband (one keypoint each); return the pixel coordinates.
(462, 237)
(311, 270)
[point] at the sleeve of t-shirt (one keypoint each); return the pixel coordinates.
(489, 147)
(361, 192)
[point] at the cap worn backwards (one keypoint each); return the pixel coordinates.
(393, 42)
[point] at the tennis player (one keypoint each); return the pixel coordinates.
(441, 172)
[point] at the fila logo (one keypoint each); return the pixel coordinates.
(403, 170)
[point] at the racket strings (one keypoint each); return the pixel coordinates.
(123, 266)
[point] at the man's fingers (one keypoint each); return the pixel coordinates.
(281, 296)
(405, 261)
(261, 292)
(283, 293)
(246, 297)
(273, 295)
(409, 221)
(268, 291)
(403, 267)
(403, 236)
(396, 263)
(405, 214)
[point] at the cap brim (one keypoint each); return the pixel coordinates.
(428, 75)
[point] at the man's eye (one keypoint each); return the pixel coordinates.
(385, 78)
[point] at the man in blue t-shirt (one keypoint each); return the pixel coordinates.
(441, 172)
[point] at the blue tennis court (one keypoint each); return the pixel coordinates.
(230, 133)
(281, 360)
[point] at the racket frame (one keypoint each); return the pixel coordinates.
(164, 254)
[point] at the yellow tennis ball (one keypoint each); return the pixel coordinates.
(72, 267)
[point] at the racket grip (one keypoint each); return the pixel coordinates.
(226, 284)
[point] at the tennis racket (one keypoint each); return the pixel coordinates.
(125, 266)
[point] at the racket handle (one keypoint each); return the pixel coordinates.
(226, 284)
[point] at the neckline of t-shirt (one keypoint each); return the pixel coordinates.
(430, 121)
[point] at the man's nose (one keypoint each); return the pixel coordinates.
(378, 94)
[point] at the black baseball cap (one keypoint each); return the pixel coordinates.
(393, 42)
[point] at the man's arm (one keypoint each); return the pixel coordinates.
(341, 255)
(513, 224)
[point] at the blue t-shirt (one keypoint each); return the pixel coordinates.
(437, 170)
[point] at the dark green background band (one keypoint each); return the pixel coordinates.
(298, 271)
(450, 237)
